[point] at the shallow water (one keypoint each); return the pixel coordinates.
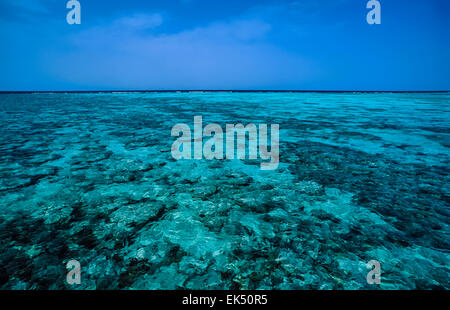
(90, 177)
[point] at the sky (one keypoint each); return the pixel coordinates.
(232, 44)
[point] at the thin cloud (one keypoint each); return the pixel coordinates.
(139, 21)
(220, 55)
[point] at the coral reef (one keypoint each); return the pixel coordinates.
(90, 177)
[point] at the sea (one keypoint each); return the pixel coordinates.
(90, 177)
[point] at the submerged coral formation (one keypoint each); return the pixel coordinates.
(90, 177)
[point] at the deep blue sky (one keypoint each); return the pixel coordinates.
(233, 44)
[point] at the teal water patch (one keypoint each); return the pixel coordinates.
(90, 177)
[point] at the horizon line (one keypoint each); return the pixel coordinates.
(218, 90)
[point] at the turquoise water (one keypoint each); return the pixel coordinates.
(90, 177)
